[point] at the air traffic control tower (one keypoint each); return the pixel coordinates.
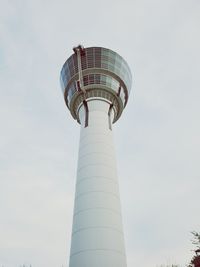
(96, 83)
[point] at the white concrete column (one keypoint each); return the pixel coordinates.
(97, 235)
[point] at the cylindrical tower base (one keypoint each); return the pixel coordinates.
(97, 236)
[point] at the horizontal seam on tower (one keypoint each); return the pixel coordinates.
(97, 249)
(90, 192)
(98, 177)
(95, 133)
(98, 164)
(97, 153)
(97, 208)
(97, 227)
(97, 142)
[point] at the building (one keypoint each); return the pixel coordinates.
(96, 83)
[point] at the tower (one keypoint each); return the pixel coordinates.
(96, 83)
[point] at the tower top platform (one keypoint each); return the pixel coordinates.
(95, 73)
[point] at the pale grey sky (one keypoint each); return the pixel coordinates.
(157, 138)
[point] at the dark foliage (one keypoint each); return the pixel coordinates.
(195, 261)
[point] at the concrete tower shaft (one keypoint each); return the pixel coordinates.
(96, 83)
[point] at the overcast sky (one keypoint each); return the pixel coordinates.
(157, 138)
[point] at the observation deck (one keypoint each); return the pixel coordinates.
(95, 73)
